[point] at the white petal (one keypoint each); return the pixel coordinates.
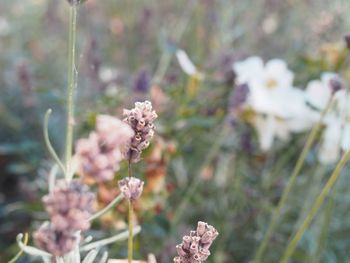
(298, 115)
(318, 94)
(326, 77)
(277, 70)
(248, 69)
(282, 130)
(330, 148)
(345, 140)
(185, 63)
(265, 127)
(264, 101)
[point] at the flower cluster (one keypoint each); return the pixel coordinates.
(69, 206)
(131, 188)
(141, 120)
(195, 247)
(281, 109)
(56, 242)
(100, 154)
(336, 135)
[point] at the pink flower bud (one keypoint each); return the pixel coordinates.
(131, 188)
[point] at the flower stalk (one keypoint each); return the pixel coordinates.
(130, 240)
(130, 210)
(296, 171)
(72, 84)
(315, 208)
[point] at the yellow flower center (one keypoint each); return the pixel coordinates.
(271, 83)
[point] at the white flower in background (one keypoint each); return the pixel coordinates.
(280, 108)
(248, 69)
(318, 92)
(267, 83)
(336, 136)
(186, 64)
(269, 127)
(330, 147)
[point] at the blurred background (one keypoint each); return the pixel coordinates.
(203, 164)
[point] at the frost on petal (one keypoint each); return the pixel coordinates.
(185, 63)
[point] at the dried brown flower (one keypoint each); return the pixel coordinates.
(131, 188)
(195, 247)
(141, 120)
(55, 242)
(70, 205)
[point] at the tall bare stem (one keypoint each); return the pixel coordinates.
(315, 208)
(72, 84)
(130, 215)
(130, 241)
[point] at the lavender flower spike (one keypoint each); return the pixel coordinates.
(195, 247)
(100, 154)
(141, 120)
(70, 205)
(131, 188)
(57, 243)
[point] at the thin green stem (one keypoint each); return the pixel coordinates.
(48, 143)
(72, 79)
(130, 215)
(110, 240)
(107, 208)
(19, 254)
(315, 208)
(313, 186)
(299, 165)
(130, 241)
(176, 35)
(324, 229)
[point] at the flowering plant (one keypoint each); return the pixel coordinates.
(70, 202)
